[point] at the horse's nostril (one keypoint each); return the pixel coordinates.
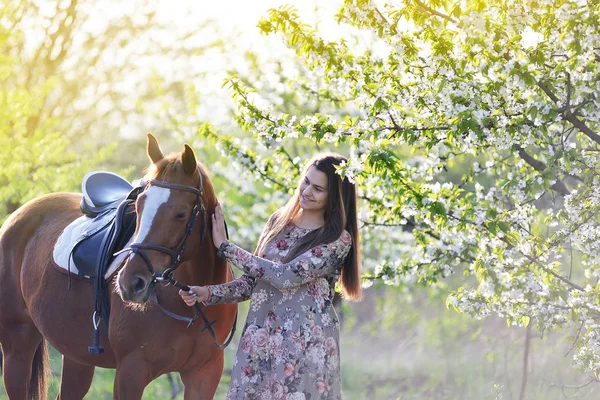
(138, 284)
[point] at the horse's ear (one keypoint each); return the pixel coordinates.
(153, 149)
(188, 159)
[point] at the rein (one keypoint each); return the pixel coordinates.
(166, 278)
(197, 313)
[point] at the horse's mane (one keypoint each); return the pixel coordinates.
(170, 168)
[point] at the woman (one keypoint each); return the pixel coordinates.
(290, 344)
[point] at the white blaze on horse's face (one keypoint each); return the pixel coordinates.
(155, 197)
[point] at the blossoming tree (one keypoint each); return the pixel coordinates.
(473, 134)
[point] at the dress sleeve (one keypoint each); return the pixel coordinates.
(308, 266)
(236, 291)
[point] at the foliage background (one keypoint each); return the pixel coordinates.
(82, 81)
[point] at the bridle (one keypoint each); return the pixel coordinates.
(166, 278)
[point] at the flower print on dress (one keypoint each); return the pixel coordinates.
(298, 342)
(275, 342)
(287, 294)
(261, 342)
(272, 316)
(316, 332)
(234, 390)
(330, 346)
(319, 292)
(289, 369)
(255, 393)
(235, 291)
(302, 268)
(332, 353)
(326, 320)
(247, 342)
(259, 297)
(277, 391)
(332, 362)
(321, 385)
(242, 255)
(316, 355)
(248, 371)
(295, 396)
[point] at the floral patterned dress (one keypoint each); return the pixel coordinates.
(289, 348)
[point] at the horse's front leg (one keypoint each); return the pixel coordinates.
(76, 380)
(131, 377)
(200, 383)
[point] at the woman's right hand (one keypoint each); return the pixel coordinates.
(219, 233)
(196, 293)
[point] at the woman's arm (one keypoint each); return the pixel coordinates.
(236, 291)
(308, 266)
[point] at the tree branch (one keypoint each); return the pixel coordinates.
(550, 271)
(538, 165)
(576, 338)
(569, 116)
(434, 12)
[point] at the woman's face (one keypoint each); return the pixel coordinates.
(313, 190)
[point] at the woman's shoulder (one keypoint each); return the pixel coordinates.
(346, 237)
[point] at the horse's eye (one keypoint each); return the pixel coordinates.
(181, 216)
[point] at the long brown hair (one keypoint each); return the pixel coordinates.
(340, 214)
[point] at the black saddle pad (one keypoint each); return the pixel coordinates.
(94, 253)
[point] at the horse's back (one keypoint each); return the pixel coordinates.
(54, 208)
(33, 229)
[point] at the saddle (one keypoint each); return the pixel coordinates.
(102, 191)
(110, 200)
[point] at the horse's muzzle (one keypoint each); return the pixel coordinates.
(138, 290)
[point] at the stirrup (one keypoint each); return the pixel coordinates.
(95, 348)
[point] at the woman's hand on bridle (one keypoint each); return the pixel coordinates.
(196, 293)
(218, 226)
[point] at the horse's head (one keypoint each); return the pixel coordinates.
(171, 220)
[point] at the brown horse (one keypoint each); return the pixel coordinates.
(142, 341)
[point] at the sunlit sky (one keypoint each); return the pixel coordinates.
(243, 15)
(234, 19)
(239, 19)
